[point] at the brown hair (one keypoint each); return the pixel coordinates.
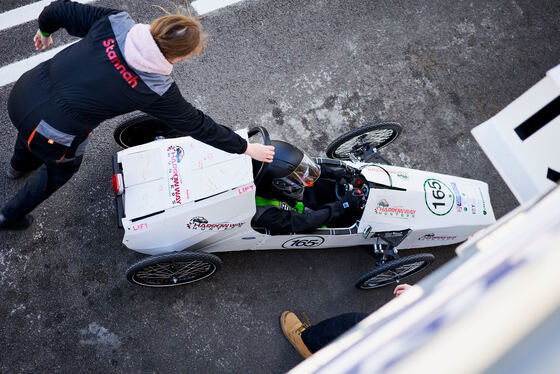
(178, 36)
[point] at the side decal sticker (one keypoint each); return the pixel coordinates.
(304, 242)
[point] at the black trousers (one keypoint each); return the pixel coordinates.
(323, 333)
(28, 104)
(48, 178)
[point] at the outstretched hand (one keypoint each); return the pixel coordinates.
(42, 43)
(260, 152)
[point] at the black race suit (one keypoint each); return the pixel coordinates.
(56, 105)
(322, 208)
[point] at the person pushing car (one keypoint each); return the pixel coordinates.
(117, 67)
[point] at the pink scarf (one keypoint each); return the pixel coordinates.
(142, 53)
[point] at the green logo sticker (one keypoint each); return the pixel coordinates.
(439, 198)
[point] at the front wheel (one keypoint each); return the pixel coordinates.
(363, 143)
(393, 271)
(173, 269)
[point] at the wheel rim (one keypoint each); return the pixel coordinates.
(394, 274)
(362, 143)
(174, 273)
(144, 132)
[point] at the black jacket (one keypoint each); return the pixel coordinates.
(90, 81)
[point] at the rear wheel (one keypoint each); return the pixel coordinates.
(364, 142)
(143, 129)
(393, 271)
(173, 269)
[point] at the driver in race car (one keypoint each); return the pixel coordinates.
(291, 198)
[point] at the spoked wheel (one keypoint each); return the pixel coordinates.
(143, 129)
(173, 269)
(393, 271)
(363, 143)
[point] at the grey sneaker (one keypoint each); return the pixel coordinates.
(15, 174)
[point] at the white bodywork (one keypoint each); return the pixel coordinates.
(463, 206)
(183, 194)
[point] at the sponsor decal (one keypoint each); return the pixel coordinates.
(142, 226)
(457, 197)
(304, 242)
(469, 201)
(242, 190)
(401, 174)
(439, 198)
(484, 212)
(199, 220)
(175, 155)
(201, 223)
(109, 45)
(179, 152)
(383, 203)
(383, 208)
(435, 237)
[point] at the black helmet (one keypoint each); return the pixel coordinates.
(290, 171)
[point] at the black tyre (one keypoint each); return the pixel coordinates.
(393, 271)
(142, 129)
(362, 142)
(173, 269)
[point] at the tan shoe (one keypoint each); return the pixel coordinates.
(292, 328)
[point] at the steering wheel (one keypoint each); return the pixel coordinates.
(358, 185)
(266, 141)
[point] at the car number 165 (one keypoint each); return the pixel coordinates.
(439, 197)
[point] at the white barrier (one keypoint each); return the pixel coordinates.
(522, 140)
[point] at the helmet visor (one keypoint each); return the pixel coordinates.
(304, 175)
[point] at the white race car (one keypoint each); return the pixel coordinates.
(179, 200)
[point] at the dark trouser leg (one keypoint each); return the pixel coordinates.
(323, 333)
(42, 184)
(23, 159)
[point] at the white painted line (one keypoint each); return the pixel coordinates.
(207, 6)
(11, 73)
(26, 13)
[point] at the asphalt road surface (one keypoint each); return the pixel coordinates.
(308, 71)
